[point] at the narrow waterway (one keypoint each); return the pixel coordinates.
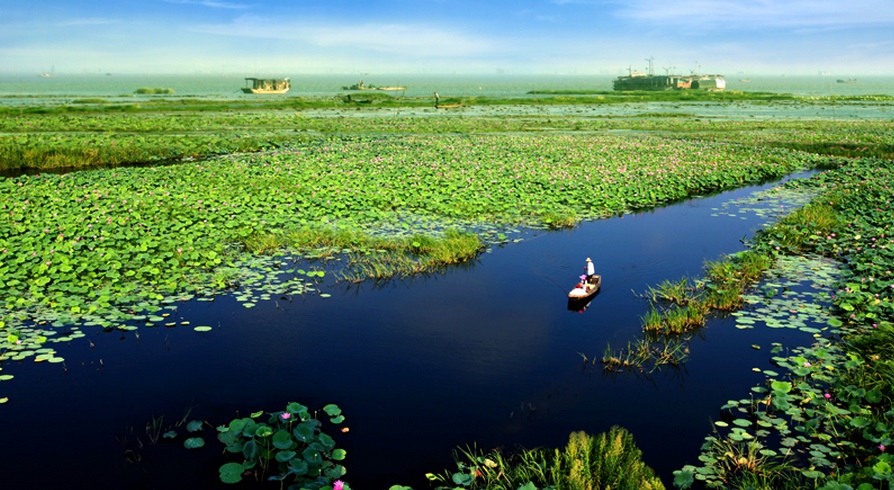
(487, 354)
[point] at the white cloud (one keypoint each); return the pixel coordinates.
(394, 38)
(212, 4)
(93, 21)
(724, 14)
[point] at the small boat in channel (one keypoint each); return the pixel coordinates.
(586, 289)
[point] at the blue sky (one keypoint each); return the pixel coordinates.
(844, 37)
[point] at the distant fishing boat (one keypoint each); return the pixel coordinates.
(849, 80)
(361, 86)
(267, 85)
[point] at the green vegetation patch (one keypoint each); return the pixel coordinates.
(105, 247)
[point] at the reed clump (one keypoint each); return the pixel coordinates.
(679, 292)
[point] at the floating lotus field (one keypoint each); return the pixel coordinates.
(76, 140)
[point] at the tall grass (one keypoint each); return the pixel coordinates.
(609, 460)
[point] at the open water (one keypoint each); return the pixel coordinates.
(30, 89)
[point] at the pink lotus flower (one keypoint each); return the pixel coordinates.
(338, 485)
(286, 416)
(882, 447)
(827, 396)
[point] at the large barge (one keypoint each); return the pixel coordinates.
(650, 81)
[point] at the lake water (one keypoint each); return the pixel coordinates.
(228, 86)
(487, 353)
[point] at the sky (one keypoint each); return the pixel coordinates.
(264, 37)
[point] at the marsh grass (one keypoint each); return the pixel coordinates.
(372, 257)
(680, 292)
(652, 320)
(414, 255)
(729, 278)
(647, 354)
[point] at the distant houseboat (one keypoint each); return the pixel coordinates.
(642, 81)
(649, 81)
(267, 85)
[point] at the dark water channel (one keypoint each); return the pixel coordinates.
(486, 354)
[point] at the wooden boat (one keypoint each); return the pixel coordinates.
(267, 85)
(586, 290)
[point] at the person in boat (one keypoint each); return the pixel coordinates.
(591, 269)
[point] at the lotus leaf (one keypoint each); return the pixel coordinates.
(282, 439)
(284, 456)
(231, 472)
(298, 466)
(305, 431)
(194, 443)
(312, 456)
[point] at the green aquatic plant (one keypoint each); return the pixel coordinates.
(556, 221)
(799, 230)
(285, 446)
(607, 460)
(652, 320)
(680, 292)
(822, 417)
